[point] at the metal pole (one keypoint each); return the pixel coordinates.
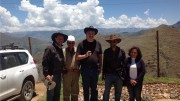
(158, 69)
(29, 38)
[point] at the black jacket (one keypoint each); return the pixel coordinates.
(141, 70)
(53, 60)
(113, 60)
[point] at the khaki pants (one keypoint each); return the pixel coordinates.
(71, 86)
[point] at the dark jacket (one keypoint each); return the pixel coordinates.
(113, 60)
(53, 60)
(140, 69)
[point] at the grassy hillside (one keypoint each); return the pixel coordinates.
(169, 50)
(37, 45)
(168, 44)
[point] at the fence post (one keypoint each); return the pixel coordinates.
(29, 38)
(158, 69)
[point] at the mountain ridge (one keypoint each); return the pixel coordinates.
(78, 33)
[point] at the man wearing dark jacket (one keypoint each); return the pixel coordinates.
(113, 60)
(53, 64)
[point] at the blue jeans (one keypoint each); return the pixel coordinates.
(54, 94)
(135, 91)
(111, 79)
(89, 81)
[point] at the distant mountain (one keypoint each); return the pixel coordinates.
(5, 39)
(79, 33)
(37, 45)
(177, 25)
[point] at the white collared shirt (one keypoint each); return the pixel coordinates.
(133, 69)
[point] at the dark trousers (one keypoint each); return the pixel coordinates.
(54, 94)
(134, 91)
(112, 79)
(89, 80)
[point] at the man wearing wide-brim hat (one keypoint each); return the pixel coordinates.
(89, 53)
(113, 60)
(53, 64)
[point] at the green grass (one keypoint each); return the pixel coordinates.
(161, 80)
(152, 80)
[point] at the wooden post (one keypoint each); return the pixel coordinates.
(158, 69)
(30, 50)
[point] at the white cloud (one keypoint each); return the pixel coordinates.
(133, 22)
(7, 21)
(147, 12)
(54, 15)
(62, 16)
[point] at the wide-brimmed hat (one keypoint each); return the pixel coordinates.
(54, 35)
(49, 84)
(90, 28)
(112, 38)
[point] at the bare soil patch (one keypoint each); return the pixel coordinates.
(40, 90)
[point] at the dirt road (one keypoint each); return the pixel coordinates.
(40, 91)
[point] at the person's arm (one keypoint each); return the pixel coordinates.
(100, 63)
(80, 57)
(46, 63)
(124, 73)
(100, 58)
(104, 69)
(123, 57)
(142, 71)
(127, 69)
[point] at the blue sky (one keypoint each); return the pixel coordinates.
(31, 15)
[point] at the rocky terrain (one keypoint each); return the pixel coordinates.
(150, 92)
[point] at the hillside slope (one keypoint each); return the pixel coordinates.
(169, 42)
(37, 45)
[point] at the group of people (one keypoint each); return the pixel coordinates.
(66, 64)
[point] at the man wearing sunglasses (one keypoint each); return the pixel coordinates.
(71, 72)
